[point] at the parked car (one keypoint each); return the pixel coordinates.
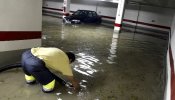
(83, 16)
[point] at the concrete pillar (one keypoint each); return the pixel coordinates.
(119, 15)
(20, 27)
(66, 7)
(170, 68)
(172, 58)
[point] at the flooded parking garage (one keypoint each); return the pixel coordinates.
(109, 66)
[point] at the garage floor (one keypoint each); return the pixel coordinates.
(109, 66)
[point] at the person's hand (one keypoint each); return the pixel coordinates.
(76, 85)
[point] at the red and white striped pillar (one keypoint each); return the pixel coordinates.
(66, 7)
(20, 24)
(170, 79)
(119, 15)
(170, 68)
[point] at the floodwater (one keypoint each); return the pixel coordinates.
(109, 66)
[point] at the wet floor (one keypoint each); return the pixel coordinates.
(109, 66)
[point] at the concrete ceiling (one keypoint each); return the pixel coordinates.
(161, 3)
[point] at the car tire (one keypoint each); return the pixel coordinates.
(98, 22)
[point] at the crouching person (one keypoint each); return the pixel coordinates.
(36, 63)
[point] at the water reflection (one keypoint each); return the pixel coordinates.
(59, 99)
(113, 49)
(62, 32)
(136, 57)
(58, 94)
(85, 64)
(83, 93)
(44, 37)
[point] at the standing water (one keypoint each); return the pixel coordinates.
(109, 66)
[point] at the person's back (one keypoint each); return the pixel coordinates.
(37, 61)
(54, 58)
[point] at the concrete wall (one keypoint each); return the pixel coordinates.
(149, 17)
(102, 8)
(10, 57)
(20, 15)
(149, 14)
(20, 28)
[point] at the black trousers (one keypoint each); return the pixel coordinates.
(36, 67)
